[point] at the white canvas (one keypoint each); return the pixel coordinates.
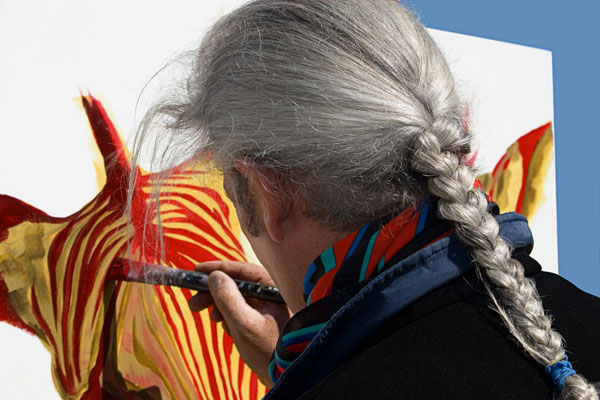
(509, 89)
(51, 50)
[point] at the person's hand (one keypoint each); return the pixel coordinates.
(253, 324)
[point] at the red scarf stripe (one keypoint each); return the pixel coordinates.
(392, 237)
(298, 347)
(340, 249)
(403, 236)
(323, 286)
(325, 283)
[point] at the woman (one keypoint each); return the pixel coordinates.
(338, 130)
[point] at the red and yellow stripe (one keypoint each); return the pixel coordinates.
(118, 339)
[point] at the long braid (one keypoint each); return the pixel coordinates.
(513, 296)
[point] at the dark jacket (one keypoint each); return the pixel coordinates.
(447, 344)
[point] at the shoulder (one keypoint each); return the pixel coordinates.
(449, 344)
(576, 315)
(561, 293)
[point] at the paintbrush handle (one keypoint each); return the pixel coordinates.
(259, 291)
(195, 280)
(136, 271)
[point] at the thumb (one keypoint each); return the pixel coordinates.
(228, 299)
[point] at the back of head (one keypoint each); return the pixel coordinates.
(329, 94)
(352, 102)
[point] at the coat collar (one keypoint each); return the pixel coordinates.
(386, 295)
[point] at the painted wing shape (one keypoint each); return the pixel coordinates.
(118, 339)
(517, 181)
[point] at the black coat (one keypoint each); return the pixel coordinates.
(451, 345)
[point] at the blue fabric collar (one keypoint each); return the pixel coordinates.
(387, 294)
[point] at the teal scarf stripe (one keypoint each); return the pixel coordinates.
(381, 263)
(303, 331)
(328, 259)
(367, 257)
(281, 361)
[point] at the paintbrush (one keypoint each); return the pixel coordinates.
(136, 271)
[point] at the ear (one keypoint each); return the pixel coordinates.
(265, 186)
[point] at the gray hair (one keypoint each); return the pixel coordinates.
(352, 102)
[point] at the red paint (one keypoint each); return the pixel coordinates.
(87, 281)
(214, 390)
(14, 211)
(253, 386)
(176, 332)
(527, 144)
(215, 346)
(90, 258)
(188, 296)
(227, 350)
(200, 223)
(241, 367)
(94, 390)
(116, 164)
(470, 160)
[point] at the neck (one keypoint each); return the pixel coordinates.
(302, 245)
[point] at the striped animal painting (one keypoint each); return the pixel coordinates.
(117, 339)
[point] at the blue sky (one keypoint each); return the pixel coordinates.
(571, 32)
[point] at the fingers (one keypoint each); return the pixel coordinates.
(229, 301)
(254, 325)
(226, 329)
(200, 301)
(216, 315)
(204, 300)
(237, 270)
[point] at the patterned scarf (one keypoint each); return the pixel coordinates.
(345, 268)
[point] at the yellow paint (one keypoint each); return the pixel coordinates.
(486, 181)
(145, 351)
(507, 183)
(536, 176)
(235, 371)
(190, 353)
(74, 300)
(98, 163)
(212, 357)
(246, 383)
(146, 359)
(90, 328)
(165, 339)
(221, 355)
(197, 347)
(23, 267)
